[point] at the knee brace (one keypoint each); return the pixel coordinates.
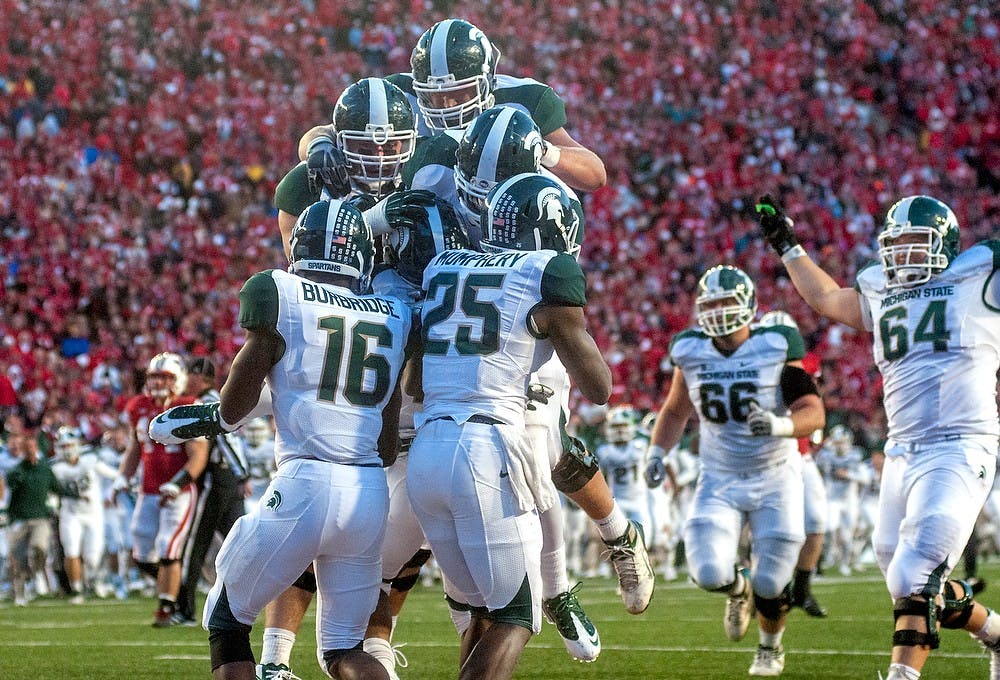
(166, 562)
(958, 604)
(408, 575)
(148, 568)
(229, 646)
(576, 466)
(306, 582)
(332, 656)
(774, 608)
(916, 606)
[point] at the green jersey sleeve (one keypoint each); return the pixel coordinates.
(796, 345)
(563, 282)
(539, 100)
(292, 193)
(259, 302)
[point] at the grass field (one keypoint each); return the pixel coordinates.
(679, 637)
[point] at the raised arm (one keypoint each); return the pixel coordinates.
(816, 287)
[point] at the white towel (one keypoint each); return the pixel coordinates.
(529, 473)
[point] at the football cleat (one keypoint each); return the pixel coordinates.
(275, 671)
(769, 662)
(182, 619)
(813, 608)
(163, 618)
(631, 562)
(739, 610)
(575, 628)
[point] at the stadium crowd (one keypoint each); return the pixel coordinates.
(141, 143)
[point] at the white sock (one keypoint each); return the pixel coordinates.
(772, 640)
(277, 648)
(990, 632)
(740, 584)
(382, 651)
(554, 579)
(393, 630)
(902, 672)
(614, 525)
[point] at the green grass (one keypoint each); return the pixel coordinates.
(680, 636)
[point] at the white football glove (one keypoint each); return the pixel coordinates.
(766, 424)
(182, 423)
(120, 484)
(656, 469)
(169, 491)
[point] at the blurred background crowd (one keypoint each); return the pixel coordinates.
(141, 141)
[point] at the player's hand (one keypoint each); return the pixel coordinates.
(327, 168)
(182, 423)
(656, 472)
(766, 424)
(119, 485)
(775, 226)
(168, 492)
(398, 210)
(540, 393)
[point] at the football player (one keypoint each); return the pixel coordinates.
(841, 464)
(329, 455)
(753, 399)
(623, 461)
(934, 313)
(162, 517)
(259, 438)
(81, 520)
(453, 79)
(526, 297)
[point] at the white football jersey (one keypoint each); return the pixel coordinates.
(722, 388)
(479, 346)
(343, 354)
(84, 476)
(624, 466)
(843, 473)
(937, 346)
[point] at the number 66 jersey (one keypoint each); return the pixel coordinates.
(939, 340)
(723, 386)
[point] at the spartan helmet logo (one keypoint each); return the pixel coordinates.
(549, 206)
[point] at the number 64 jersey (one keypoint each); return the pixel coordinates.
(937, 346)
(722, 388)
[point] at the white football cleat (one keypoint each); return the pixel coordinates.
(631, 562)
(739, 610)
(769, 662)
(575, 628)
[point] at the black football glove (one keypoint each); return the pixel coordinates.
(327, 168)
(775, 225)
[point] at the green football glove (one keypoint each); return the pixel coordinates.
(183, 423)
(775, 225)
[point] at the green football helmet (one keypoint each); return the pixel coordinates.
(332, 237)
(454, 73)
(529, 212)
(619, 425)
(777, 317)
(68, 443)
(413, 243)
(738, 295)
(376, 130)
(920, 238)
(500, 143)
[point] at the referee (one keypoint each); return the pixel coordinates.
(225, 486)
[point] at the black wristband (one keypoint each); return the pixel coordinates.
(182, 478)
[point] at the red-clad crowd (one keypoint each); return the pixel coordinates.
(141, 141)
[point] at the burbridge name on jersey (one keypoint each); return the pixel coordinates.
(312, 292)
(468, 258)
(936, 291)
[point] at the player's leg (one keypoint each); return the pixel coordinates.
(777, 529)
(265, 552)
(205, 515)
(942, 495)
(711, 539)
(814, 496)
(174, 527)
(71, 537)
(349, 574)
